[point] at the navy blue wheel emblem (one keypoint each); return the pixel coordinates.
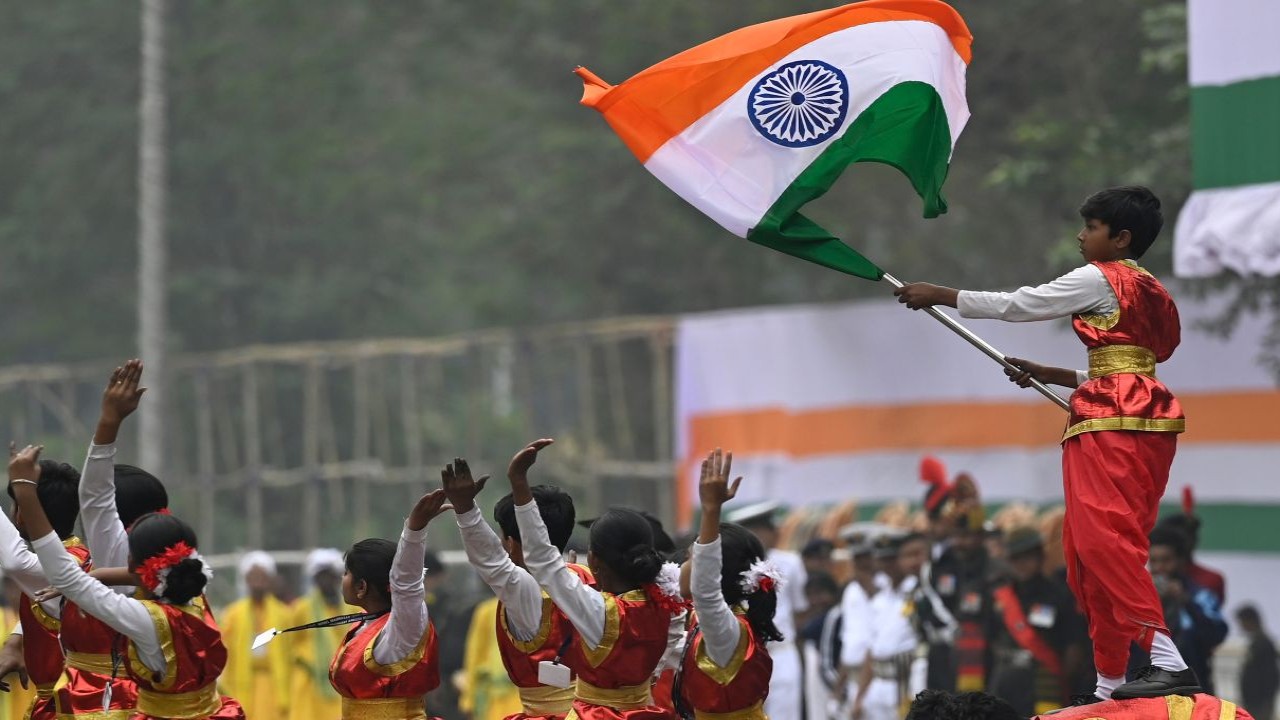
(800, 104)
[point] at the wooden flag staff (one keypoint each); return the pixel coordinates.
(984, 346)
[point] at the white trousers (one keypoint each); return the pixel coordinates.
(787, 685)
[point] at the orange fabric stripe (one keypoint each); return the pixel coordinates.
(659, 103)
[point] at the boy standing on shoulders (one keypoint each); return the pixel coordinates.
(1122, 435)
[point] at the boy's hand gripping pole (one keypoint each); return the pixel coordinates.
(984, 346)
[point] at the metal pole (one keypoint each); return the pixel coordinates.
(152, 253)
(984, 346)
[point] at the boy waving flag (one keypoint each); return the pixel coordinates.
(752, 125)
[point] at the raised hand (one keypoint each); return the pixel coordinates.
(459, 487)
(427, 508)
(119, 400)
(25, 464)
(714, 489)
(518, 470)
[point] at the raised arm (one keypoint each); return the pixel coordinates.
(1083, 290)
(409, 617)
(721, 630)
(106, 536)
(581, 604)
(520, 594)
(19, 563)
(126, 615)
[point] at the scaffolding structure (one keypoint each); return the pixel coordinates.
(288, 447)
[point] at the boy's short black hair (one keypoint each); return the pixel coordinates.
(554, 505)
(59, 494)
(1173, 539)
(1129, 207)
(942, 705)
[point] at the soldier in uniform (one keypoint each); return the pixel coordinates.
(1037, 637)
(893, 670)
(963, 578)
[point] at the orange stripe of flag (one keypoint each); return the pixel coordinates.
(659, 103)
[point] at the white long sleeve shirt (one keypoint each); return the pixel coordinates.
(104, 533)
(720, 628)
(583, 605)
(516, 588)
(123, 614)
(891, 630)
(19, 563)
(409, 617)
(856, 629)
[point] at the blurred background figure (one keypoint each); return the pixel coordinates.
(312, 696)
(450, 610)
(1188, 523)
(260, 678)
(485, 690)
(786, 690)
(1259, 674)
(1038, 639)
(13, 704)
(820, 642)
(816, 556)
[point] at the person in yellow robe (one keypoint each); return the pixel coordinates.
(13, 704)
(312, 697)
(486, 690)
(259, 679)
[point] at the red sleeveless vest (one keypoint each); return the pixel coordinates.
(40, 647)
(194, 659)
(739, 687)
(365, 684)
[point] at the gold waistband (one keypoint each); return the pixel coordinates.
(383, 709)
(44, 692)
(546, 700)
(624, 698)
(755, 712)
(1116, 359)
(90, 662)
(182, 706)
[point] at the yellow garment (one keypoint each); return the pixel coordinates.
(259, 681)
(312, 697)
(14, 704)
(487, 692)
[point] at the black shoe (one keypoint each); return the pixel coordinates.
(1077, 701)
(1152, 682)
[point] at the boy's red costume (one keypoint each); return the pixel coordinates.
(1173, 707)
(1116, 454)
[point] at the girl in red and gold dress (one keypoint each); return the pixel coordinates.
(173, 650)
(387, 664)
(725, 668)
(621, 629)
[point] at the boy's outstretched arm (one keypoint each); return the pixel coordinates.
(1046, 374)
(922, 295)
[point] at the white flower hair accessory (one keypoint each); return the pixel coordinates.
(763, 575)
(664, 591)
(154, 571)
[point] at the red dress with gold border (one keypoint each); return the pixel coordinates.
(1174, 707)
(614, 678)
(88, 644)
(541, 702)
(735, 691)
(41, 649)
(194, 659)
(372, 691)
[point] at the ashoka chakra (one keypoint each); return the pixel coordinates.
(801, 103)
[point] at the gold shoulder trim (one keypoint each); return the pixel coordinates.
(396, 668)
(1227, 711)
(724, 675)
(1102, 322)
(544, 628)
(1135, 266)
(612, 626)
(164, 633)
(47, 621)
(1180, 707)
(1174, 425)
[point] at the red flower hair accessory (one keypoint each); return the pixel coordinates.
(762, 576)
(154, 571)
(664, 591)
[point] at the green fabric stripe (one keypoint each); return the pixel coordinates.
(1224, 527)
(1235, 133)
(905, 128)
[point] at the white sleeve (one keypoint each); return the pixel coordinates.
(855, 636)
(17, 628)
(582, 605)
(1083, 290)
(519, 593)
(720, 628)
(125, 615)
(23, 566)
(108, 542)
(409, 617)
(676, 637)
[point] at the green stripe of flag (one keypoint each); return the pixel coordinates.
(1235, 133)
(906, 128)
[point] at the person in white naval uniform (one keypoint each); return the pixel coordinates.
(893, 670)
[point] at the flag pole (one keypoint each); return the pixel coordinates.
(984, 346)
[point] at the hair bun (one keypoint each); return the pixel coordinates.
(185, 581)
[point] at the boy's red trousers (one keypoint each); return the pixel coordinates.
(1113, 481)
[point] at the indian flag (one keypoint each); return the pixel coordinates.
(752, 125)
(1232, 219)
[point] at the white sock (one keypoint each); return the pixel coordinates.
(1107, 684)
(1165, 655)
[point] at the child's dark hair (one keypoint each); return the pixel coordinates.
(1172, 538)
(59, 494)
(740, 548)
(370, 560)
(1187, 524)
(942, 705)
(1130, 207)
(155, 533)
(138, 492)
(623, 540)
(554, 505)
